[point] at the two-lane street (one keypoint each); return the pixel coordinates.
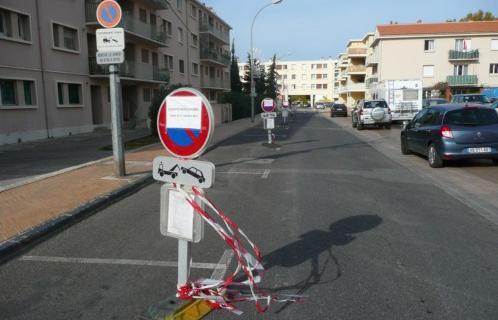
(354, 231)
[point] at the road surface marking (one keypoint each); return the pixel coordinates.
(265, 174)
(221, 268)
(129, 262)
(254, 160)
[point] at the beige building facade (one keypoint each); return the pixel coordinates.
(313, 79)
(455, 57)
(51, 85)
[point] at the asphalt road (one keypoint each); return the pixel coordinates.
(361, 236)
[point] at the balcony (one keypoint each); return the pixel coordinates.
(357, 69)
(213, 56)
(372, 60)
(131, 69)
(131, 25)
(455, 55)
(460, 81)
(205, 26)
(357, 52)
(356, 87)
(215, 83)
(370, 82)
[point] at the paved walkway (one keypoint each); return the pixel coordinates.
(32, 204)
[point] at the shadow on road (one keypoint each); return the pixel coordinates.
(312, 244)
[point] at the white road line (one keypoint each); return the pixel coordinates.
(265, 174)
(222, 266)
(129, 262)
(257, 173)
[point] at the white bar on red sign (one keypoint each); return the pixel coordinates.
(268, 103)
(184, 112)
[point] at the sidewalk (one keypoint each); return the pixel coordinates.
(49, 201)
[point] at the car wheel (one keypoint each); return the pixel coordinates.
(434, 158)
(173, 175)
(404, 146)
(359, 126)
(201, 180)
(354, 124)
(161, 174)
(184, 171)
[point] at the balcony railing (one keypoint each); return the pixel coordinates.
(357, 51)
(371, 81)
(372, 59)
(468, 80)
(463, 55)
(130, 24)
(215, 83)
(205, 26)
(207, 54)
(357, 69)
(131, 69)
(356, 87)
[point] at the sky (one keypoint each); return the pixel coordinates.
(314, 29)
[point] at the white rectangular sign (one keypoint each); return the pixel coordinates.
(110, 57)
(184, 112)
(269, 124)
(269, 115)
(184, 172)
(111, 39)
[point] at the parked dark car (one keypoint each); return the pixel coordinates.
(338, 110)
(433, 102)
(452, 132)
(471, 98)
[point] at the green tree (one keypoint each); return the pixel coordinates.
(156, 102)
(260, 79)
(271, 89)
(479, 16)
(246, 85)
(235, 83)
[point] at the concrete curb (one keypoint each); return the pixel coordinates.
(32, 236)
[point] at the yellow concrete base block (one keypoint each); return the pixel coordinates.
(194, 310)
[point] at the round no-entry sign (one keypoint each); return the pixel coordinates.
(185, 123)
(268, 105)
(109, 13)
(285, 105)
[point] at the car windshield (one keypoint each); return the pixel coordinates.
(374, 104)
(437, 101)
(472, 117)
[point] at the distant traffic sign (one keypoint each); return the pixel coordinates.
(111, 39)
(109, 13)
(268, 105)
(285, 105)
(110, 57)
(185, 123)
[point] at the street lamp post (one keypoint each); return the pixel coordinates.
(253, 89)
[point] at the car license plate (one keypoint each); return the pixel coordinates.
(479, 150)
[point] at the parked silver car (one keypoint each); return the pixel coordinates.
(372, 112)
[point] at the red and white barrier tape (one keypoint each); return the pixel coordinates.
(222, 294)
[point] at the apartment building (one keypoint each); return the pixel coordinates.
(353, 71)
(312, 79)
(51, 85)
(458, 57)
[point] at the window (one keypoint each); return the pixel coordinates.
(293, 87)
(461, 70)
(195, 40)
(285, 77)
(313, 86)
(429, 45)
(145, 55)
(472, 117)
(146, 93)
(319, 86)
(304, 86)
(64, 37)
(180, 35)
(313, 76)
(293, 77)
(325, 76)
(428, 71)
(319, 76)
(153, 20)
(463, 44)
(179, 4)
(167, 28)
(325, 86)
(181, 66)
(303, 77)
(14, 25)
(193, 11)
(142, 15)
(69, 94)
(325, 66)
(168, 62)
(494, 44)
(493, 68)
(17, 93)
(195, 69)
(313, 66)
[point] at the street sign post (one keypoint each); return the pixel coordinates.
(185, 124)
(268, 105)
(110, 46)
(285, 111)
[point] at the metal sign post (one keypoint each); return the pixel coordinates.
(110, 46)
(185, 124)
(285, 111)
(268, 105)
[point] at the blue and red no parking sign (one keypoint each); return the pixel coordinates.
(109, 13)
(191, 123)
